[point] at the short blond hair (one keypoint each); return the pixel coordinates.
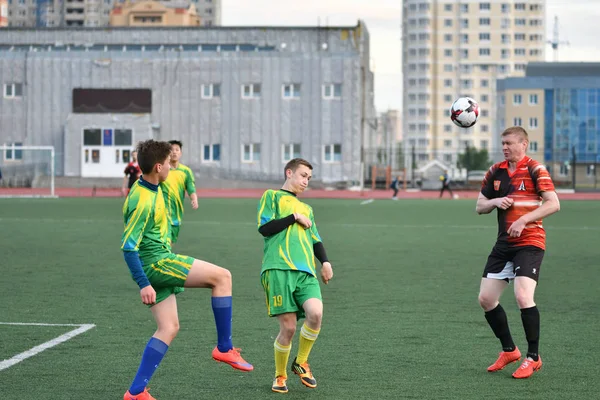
(516, 130)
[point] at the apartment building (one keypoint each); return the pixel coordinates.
(88, 13)
(154, 13)
(559, 106)
(455, 48)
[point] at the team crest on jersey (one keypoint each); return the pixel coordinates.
(522, 185)
(496, 185)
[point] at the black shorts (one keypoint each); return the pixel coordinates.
(509, 262)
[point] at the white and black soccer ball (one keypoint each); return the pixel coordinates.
(464, 112)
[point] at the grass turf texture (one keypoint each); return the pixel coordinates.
(401, 315)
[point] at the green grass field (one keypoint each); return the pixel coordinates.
(401, 315)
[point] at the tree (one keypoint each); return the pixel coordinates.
(473, 159)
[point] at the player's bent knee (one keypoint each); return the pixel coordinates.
(524, 299)
(487, 302)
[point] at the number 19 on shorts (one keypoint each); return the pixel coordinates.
(277, 301)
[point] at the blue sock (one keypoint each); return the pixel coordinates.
(222, 309)
(153, 354)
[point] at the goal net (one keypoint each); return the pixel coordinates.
(27, 171)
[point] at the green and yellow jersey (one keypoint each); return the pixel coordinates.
(179, 181)
(146, 223)
(292, 248)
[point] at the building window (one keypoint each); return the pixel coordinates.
(484, 37)
(447, 82)
(447, 7)
(290, 91)
(484, 113)
(290, 151)
(447, 37)
(447, 142)
(448, 68)
(533, 147)
(483, 144)
(448, 53)
(14, 154)
(212, 152)
(505, 8)
(484, 128)
(332, 153)
(533, 123)
(210, 90)
(517, 121)
(13, 90)
(448, 23)
(464, 8)
(484, 7)
(484, 83)
(484, 21)
(564, 170)
(517, 99)
(519, 37)
(533, 99)
(332, 91)
(447, 97)
(251, 91)
(484, 98)
(484, 52)
(250, 152)
(591, 170)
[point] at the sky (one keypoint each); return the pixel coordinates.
(578, 24)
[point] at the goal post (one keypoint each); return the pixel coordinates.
(27, 171)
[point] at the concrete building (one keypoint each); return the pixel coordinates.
(89, 13)
(559, 106)
(243, 100)
(452, 49)
(209, 12)
(154, 13)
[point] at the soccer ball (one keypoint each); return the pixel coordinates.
(464, 112)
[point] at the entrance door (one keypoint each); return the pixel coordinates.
(105, 152)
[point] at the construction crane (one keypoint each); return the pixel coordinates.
(555, 42)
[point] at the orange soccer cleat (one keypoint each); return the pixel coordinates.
(233, 358)
(505, 358)
(142, 396)
(527, 368)
(280, 384)
(305, 374)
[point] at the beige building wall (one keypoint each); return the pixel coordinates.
(3, 13)
(153, 13)
(453, 49)
(525, 107)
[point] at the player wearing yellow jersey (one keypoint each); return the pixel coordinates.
(160, 274)
(289, 273)
(179, 181)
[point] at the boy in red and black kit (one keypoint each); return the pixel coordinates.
(522, 191)
(132, 173)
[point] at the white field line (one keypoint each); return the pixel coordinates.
(358, 225)
(362, 203)
(44, 346)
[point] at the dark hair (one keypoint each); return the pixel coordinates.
(294, 164)
(177, 142)
(150, 153)
(517, 130)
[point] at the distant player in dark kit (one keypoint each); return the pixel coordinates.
(522, 191)
(445, 184)
(132, 173)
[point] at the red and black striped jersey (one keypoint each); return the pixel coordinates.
(525, 186)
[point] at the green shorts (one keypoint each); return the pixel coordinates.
(174, 233)
(168, 275)
(286, 291)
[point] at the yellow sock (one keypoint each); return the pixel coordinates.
(282, 355)
(307, 339)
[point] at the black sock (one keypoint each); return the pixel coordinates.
(531, 324)
(499, 324)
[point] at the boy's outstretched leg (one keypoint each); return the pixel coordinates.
(206, 275)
